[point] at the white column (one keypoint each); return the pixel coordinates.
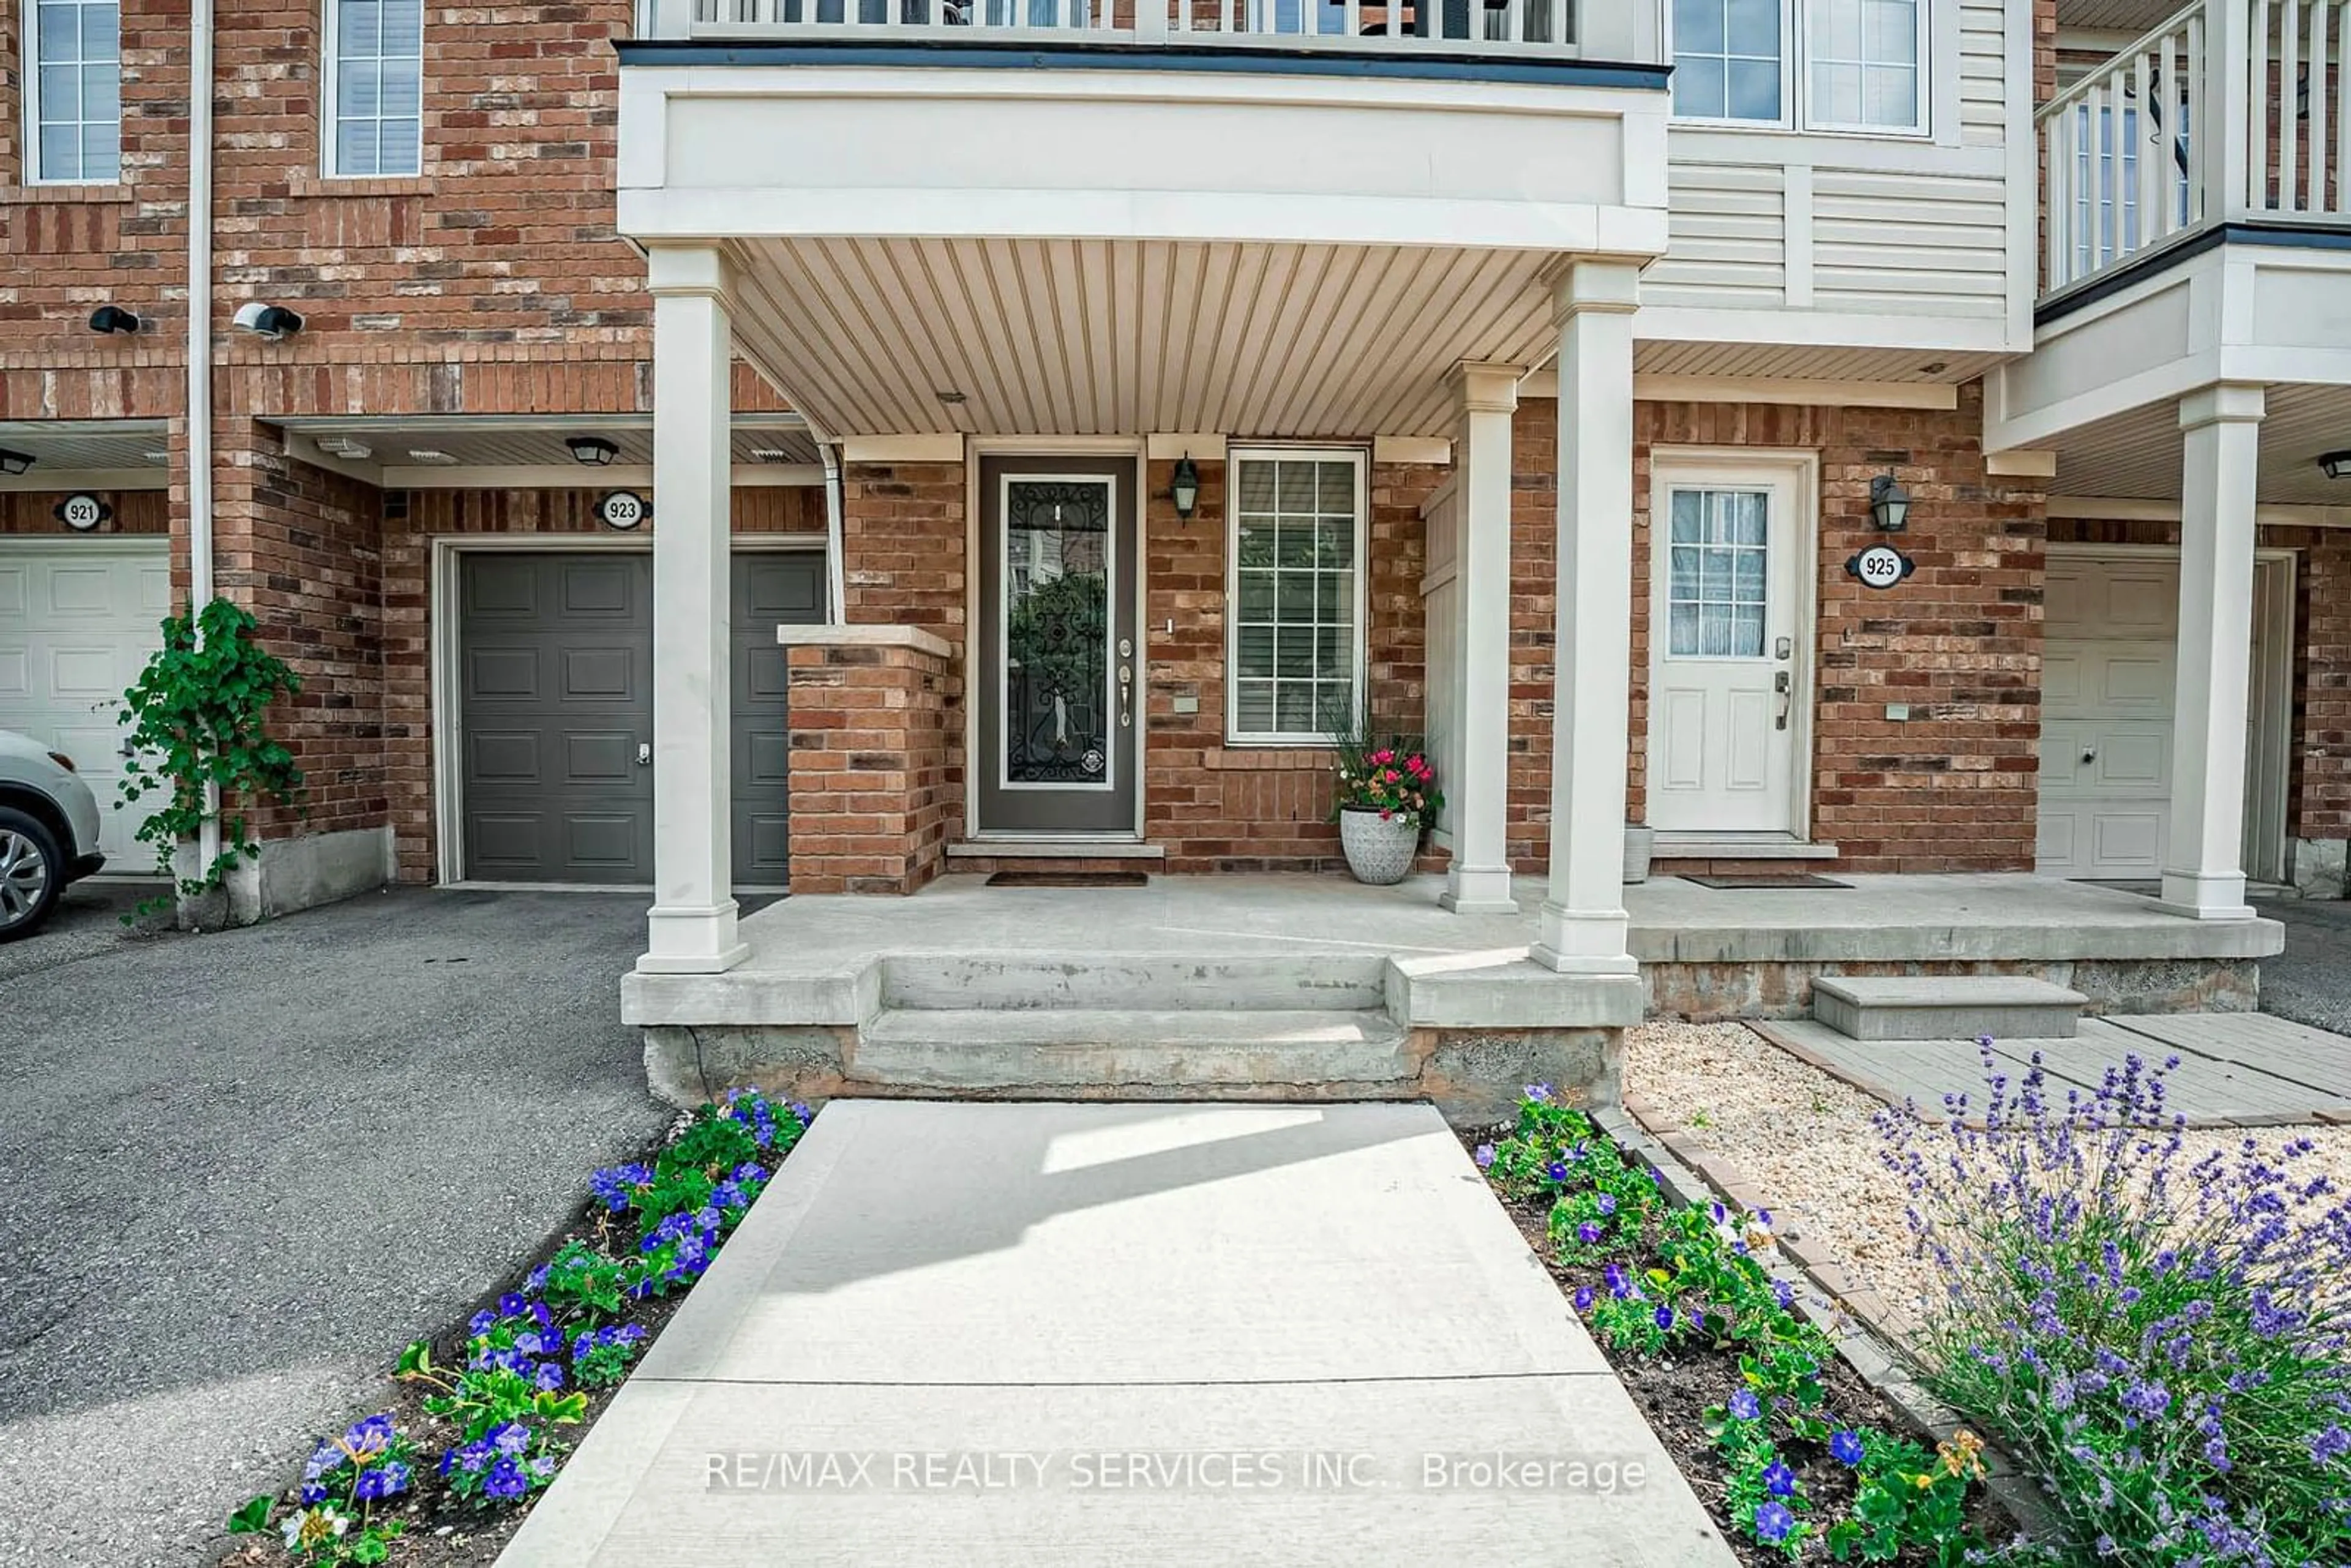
(1479, 881)
(1582, 927)
(692, 922)
(2203, 871)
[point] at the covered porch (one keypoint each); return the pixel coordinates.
(1317, 987)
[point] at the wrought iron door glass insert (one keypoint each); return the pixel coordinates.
(1058, 569)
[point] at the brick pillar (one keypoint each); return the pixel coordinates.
(871, 792)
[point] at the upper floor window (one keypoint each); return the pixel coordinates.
(74, 103)
(375, 56)
(1827, 64)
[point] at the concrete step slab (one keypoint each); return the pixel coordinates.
(1098, 1281)
(964, 981)
(1946, 1007)
(1085, 1047)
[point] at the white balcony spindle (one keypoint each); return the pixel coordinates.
(2341, 202)
(2317, 202)
(2058, 261)
(2289, 58)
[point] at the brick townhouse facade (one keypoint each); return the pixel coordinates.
(472, 311)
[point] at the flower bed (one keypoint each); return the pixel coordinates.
(2163, 1338)
(443, 1477)
(1795, 1455)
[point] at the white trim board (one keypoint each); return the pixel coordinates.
(1934, 397)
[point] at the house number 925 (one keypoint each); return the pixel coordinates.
(1881, 566)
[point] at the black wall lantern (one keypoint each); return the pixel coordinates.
(1186, 488)
(1889, 504)
(113, 319)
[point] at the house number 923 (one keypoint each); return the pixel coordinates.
(1881, 566)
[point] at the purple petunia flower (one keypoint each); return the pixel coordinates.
(1607, 1203)
(1584, 1299)
(1846, 1447)
(388, 1480)
(1587, 1233)
(1665, 1316)
(1744, 1406)
(1778, 1479)
(1772, 1522)
(1484, 1156)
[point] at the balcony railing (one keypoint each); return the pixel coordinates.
(1626, 31)
(2232, 111)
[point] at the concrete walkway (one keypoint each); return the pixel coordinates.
(1049, 1333)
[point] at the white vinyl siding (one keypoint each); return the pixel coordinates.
(375, 58)
(73, 101)
(1294, 650)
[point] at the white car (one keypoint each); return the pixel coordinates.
(49, 832)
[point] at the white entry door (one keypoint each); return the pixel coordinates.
(78, 620)
(1726, 703)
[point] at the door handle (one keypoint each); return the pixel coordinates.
(644, 753)
(2090, 756)
(1125, 695)
(1784, 684)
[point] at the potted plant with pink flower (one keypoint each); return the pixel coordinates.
(1386, 795)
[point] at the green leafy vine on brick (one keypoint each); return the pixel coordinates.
(195, 717)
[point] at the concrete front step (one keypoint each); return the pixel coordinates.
(1042, 1050)
(1128, 982)
(1946, 1007)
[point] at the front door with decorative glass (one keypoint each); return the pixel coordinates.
(1060, 665)
(1727, 706)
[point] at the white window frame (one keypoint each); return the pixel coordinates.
(1360, 648)
(29, 75)
(1796, 84)
(331, 77)
(1921, 68)
(1788, 56)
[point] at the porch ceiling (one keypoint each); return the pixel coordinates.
(81, 446)
(2135, 456)
(1121, 337)
(384, 448)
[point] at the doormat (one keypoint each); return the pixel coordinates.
(1767, 879)
(1069, 879)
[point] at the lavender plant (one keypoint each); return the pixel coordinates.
(2160, 1338)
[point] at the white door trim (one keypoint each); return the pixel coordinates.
(1801, 468)
(443, 674)
(979, 446)
(2270, 765)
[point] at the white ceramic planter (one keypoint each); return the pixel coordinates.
(1379, 850)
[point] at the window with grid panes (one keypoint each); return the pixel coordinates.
(1294, 638)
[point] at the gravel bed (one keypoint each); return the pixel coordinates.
(1805, 1140)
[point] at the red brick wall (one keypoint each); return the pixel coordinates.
(873, 795)
(1953, 788)
(1218, 808)
(2318, 805)
(301, 547)
(135, 512)
(412, 519)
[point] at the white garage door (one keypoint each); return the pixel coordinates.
(2109, 643)
(78, 619)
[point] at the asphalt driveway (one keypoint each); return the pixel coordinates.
(237, 1172)
(2310, 982)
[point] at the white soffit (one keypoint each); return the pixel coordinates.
(2137, 456)
(1105, 336)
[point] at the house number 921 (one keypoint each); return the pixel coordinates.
(1881, 566)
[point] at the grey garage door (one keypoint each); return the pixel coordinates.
(557, 713)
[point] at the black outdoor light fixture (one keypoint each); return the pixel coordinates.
(13, 463)
(113, 319)
(2335, 464)
(593, 450)
(1184, 490)
(1889, 504)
